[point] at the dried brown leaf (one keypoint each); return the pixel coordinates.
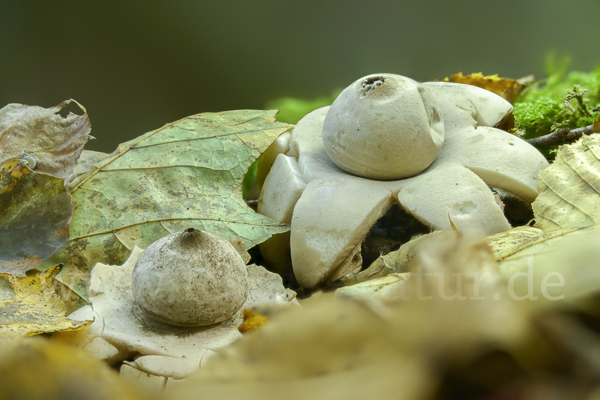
(507, 88)
(55, 142)
(596, 125)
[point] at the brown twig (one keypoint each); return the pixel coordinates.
(560, 136)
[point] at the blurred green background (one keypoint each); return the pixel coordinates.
(137, 65)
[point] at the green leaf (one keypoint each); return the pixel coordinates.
(186, 174)
(86, 161)
(35, 211)
(292, 109)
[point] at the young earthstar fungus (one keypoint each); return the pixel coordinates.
(329, 183)
(190, 278)
(172, 339)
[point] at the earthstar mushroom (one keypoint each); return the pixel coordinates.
(331, 210)
(190, 278)
(121, 330)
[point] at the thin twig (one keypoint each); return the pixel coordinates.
(560, 136)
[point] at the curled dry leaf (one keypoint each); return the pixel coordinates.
(400, 261)
(186, 174)
(431, 251)
(55, 142)
(507, 88)
(35, 211)
(506, 243)
(35, 308)
(385, 288)
(570, 187)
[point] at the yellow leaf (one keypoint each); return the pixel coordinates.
(505, 244)
(385, 288)
(36, 368)
(565, 260)
(507, 88)
(252, 321)
(10, 173)
(35, 308)
(570, 187)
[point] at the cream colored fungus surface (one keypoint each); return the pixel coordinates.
(331, 210)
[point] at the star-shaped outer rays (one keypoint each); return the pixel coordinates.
(331, 211)
(122, 330)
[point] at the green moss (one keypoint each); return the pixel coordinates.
(291, 109)
(561, 100)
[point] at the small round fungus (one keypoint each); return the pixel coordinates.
(190, 278)
(384, 126)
